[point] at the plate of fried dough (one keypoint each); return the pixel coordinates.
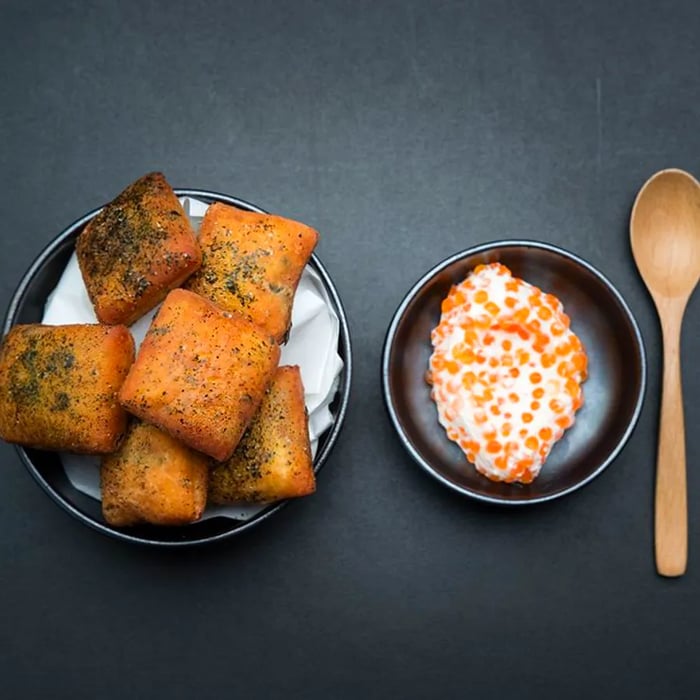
(175, 365)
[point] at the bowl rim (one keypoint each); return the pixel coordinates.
(343, 392)
(414, 291)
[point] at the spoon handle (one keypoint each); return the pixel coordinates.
(671, 517)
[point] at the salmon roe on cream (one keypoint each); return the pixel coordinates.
(506, 372)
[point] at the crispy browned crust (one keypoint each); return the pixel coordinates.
(200, 373)
(273, 460)
(140, 246)
(59, 384)
(252, 263)
(153, 478)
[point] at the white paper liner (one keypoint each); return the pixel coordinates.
(312, 344)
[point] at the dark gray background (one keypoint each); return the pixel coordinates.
(404, 131)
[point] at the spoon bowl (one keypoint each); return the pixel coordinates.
(665, 239)
(665, 233)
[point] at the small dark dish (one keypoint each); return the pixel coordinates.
(27, 306)
(613, 392)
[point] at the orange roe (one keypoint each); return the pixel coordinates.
(502, 344)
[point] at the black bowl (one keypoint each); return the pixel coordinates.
(613, 392)
(27, 306)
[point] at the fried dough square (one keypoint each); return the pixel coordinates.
(200, 373)
(252, 264)
(140, 246)
(59, 384)
(153, 478)
(273, 459)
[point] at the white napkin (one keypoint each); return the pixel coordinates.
(312, 344)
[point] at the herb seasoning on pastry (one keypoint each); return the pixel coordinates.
(140, 246)
(252, 264)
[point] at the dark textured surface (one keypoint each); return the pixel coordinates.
(403, 131)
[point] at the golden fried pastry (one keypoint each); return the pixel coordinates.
(273, 460)
(252, 263)
(140, 246)
(153, 478)
(59, 384)
(200, 373)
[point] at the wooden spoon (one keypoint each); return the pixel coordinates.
(665, 237)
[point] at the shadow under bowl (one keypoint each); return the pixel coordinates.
(613, 392)
(27, 306)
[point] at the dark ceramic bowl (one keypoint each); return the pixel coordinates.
(27, 306)
(613, 392)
